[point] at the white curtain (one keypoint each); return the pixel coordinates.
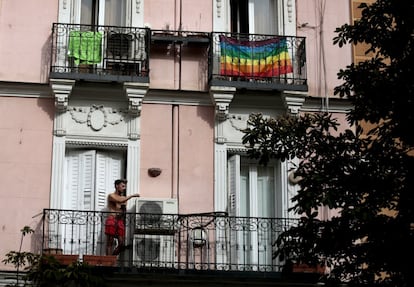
(115, 12)
(263, 16)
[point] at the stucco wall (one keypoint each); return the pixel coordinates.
(25, 30)
(317, 21)
(196, 158)
(193, 158)
(156, 150)
(194, 16)
(25, 165)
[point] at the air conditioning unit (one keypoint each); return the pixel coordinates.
(125, 53)
(154, 250)
(156, 216)
(121, 46)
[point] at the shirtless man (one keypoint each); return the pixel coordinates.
(115, 223)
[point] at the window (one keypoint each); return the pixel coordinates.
(89, 178)
(96, 12)
(254, 16)
(254, 199)
(103, 12)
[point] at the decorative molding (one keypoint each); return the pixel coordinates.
(336, 105)
(57, 179)
(135, 106)
(218, 6)
(238, 150)
(25, 91)
(93, 143)
(135, 93)
(221, 140)
(97, 116)
(138, 6)
(61, 90)
(238, 122)
(293, 102)
(222, 97)
(133, 170)
(220, 178)
(290, 10)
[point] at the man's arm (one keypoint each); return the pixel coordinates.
(121, 199)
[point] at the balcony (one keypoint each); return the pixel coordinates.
(119, 54)
(200, 242)
(100, 53)
(253, 61)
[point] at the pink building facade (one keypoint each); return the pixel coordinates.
(153, 105)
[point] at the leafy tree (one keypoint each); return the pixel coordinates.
(363, 176)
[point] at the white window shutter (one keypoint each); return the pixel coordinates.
(234, 185)
(79, 189)
(70, 196)
(108, 169)
(79, 185)
(236, 237)
(87, 178)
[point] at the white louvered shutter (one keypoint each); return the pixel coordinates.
(236, 236)
(79, 190)
(109, 167)
(80, 178)
(234, 185)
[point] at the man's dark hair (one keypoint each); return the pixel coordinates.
(118, 181)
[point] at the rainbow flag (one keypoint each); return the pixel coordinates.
(266, 58)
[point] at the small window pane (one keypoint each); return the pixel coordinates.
(115, 12)
(86, 12)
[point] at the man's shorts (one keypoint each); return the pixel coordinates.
(114, 226)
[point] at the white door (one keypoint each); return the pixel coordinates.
(252, 199)
(90, 177)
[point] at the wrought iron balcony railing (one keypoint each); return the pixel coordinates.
(100, 52)
(210, 241)
(258, 61)
(112, 53)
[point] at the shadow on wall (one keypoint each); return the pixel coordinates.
(36, 238)
(46, 55)
(207, 114)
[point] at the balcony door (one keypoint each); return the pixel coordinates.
(89, 178)
(253, 199)
(254, 16)
(102, 12)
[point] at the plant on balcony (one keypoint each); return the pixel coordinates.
(47, 270)
(21, 258)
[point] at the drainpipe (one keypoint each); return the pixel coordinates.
(175, 152)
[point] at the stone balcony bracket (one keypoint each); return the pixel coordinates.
(135, 93)
(222, 97)
(293, 102)
(61, 90)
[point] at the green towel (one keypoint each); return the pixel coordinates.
(85, 47)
